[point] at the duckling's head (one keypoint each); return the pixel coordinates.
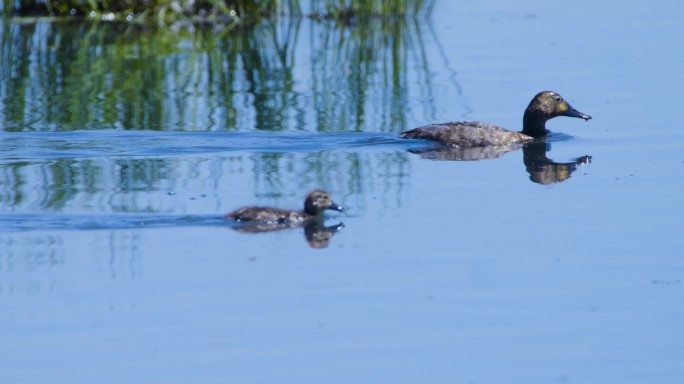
(545, 106)
(318, 201)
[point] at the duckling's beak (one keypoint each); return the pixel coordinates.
(572, 112)
(336, 207)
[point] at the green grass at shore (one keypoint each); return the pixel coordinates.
(225, 11)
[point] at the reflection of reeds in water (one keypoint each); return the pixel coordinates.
(81, 76)
(24, 260)
(32, 262)
(362, 74)
(143, 185)
(72, 76)
(346, 9)
(260, 61)
(84, 76)
(356, 174)
(65, 184)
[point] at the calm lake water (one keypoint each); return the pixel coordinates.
(122, 147)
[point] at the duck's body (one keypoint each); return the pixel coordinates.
(316, 202)
(269, 215)
(467, 134)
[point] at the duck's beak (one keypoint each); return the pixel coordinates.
(572, 112)
(336, 207)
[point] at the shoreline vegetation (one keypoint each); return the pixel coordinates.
(229, 12)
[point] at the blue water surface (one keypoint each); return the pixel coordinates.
(528, 266)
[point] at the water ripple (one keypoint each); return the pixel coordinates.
(38, 222)
(93, 144)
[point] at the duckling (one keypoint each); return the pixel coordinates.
(315, 203)
(468, 134)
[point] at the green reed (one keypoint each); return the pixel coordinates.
(346, 9)
(170, 11)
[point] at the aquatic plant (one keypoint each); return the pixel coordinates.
(349, 10)
(161, 11)
(170, 11)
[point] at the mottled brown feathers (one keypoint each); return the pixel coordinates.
(467, 134)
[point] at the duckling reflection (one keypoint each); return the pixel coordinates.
(317, 234)
(542, 170)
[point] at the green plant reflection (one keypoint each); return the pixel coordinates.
(286, 76)
(66, 76)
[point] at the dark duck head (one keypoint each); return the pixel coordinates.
(545, 106)
(318, 201)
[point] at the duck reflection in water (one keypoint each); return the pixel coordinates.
(542, 170)
(267, 219)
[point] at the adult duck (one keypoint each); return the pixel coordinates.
(469, 134)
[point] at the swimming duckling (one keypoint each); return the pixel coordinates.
(468, 134)
(316, 202)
